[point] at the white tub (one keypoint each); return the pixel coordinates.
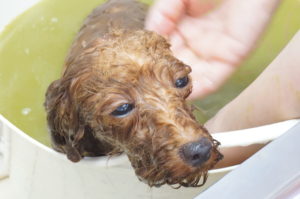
(31, 170)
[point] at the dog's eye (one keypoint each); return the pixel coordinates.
(182, 82)
(122, 110)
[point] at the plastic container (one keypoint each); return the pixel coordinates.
(28, 169)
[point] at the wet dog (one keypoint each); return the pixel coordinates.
(122, 90)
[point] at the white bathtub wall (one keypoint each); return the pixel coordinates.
(9, 9)
(36, 171)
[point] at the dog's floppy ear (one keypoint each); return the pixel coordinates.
(63, 118)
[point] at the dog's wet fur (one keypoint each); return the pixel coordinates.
(122, 90)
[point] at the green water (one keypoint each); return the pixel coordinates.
(33, 48)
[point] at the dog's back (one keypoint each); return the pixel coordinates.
(112, 15)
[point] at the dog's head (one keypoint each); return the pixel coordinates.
(129, 92)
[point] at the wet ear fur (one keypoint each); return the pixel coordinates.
(63, 118)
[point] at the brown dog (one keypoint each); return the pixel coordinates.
(122, 90)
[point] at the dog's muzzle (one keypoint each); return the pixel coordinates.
(196, 153)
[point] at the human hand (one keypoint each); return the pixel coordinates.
(211, 36)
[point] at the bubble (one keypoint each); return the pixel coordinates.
(54, 20)
(26, 111)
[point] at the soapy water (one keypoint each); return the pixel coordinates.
(33, 48)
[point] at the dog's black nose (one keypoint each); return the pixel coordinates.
(196, 153)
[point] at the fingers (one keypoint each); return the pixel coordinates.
(207, 75)
(164, 15)
(196, 8)
(246, 20)
(208, 38)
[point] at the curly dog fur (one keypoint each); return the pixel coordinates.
(119, 92)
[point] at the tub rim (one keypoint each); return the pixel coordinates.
(105, 161)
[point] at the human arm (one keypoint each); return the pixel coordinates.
(274, 96)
